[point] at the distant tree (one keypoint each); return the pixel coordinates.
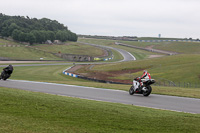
(42, 37)
(12, 27)
(15, 34)
(36, 35)
(39, 36)
(74, 37)
(60, 36)
(22, 37)
(4, 31)
(31, 38)
(51, 35)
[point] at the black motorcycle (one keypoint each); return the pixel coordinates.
(6, 73)
(145, 89)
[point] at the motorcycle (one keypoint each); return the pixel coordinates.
(145, 89)
(6, 73)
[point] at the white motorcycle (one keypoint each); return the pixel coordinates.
(145, 89)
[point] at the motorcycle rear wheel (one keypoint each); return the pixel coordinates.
(148, 92)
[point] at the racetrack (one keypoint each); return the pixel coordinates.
(180, 104)
(190, 105)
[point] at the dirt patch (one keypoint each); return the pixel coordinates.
(100, 75)
(155, 56)
(109, 76)
(150, 47)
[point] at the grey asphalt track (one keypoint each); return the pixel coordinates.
(127, 56)
(180, 104)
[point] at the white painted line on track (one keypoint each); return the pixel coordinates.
(131, 55)
(37, 82)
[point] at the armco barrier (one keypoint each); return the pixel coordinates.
(70, 74)
(108, 59)
(101, 81)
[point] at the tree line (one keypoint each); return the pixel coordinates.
(33, 30)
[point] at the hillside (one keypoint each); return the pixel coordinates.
(179, 47)
(10, 50)
(33, 30)
(180, 70)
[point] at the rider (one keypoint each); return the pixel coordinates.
(146, 76)
(8, 69)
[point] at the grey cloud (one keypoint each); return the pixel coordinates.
(171, 18)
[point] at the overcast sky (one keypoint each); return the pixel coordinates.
(142, 18)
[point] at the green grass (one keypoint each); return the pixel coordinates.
(7, 42)
(178, 68)
(31, 112)
(25, 53)
(180, 47)
(141, 44)
(73, 48)
(177, 91)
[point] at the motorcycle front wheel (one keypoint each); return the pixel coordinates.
(4, 76)
(148, 92)
(131, 90)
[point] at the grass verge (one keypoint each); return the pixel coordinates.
(25, 53)
(31, 112)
